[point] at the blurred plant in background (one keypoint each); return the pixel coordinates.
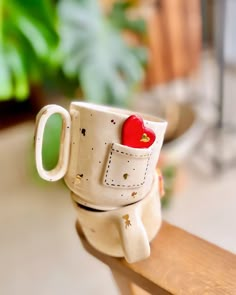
(28, 40)
(71, 40)
(169, 173)
(107, 68)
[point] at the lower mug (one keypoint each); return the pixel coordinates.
(124, 231)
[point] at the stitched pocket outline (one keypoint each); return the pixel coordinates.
(126, 167)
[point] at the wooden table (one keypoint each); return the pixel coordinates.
(180, 263)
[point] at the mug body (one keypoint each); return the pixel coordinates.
(102, 172)
(110, 232)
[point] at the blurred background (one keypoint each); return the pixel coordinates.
(172, 58)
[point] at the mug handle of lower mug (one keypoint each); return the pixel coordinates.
(134, 237)
(59, 171)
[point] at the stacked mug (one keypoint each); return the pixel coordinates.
(108, 159)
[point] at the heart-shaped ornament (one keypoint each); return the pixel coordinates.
(135, 134)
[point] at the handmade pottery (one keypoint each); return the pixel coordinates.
(96, 161)
(126, 231)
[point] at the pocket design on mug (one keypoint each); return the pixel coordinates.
(126, 167)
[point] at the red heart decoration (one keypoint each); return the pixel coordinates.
(135, 134)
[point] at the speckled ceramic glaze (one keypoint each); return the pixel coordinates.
(126, 231)
(100, 171)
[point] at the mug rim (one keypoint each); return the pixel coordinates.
(117, 111)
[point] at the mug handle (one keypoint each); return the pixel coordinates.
(60, 170)
(134, 237)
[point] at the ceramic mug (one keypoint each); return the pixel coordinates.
(101, 171)
(126, 231)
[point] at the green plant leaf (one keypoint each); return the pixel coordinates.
(17, 65)
(94, 89)
(119, 18)
(33, 31)
(28, 30)
(95, 52)
(6, 89)
(42, 10)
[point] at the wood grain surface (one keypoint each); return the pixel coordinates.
(180, 263)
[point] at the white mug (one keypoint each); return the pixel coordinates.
(101, 171)
(126, 231)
